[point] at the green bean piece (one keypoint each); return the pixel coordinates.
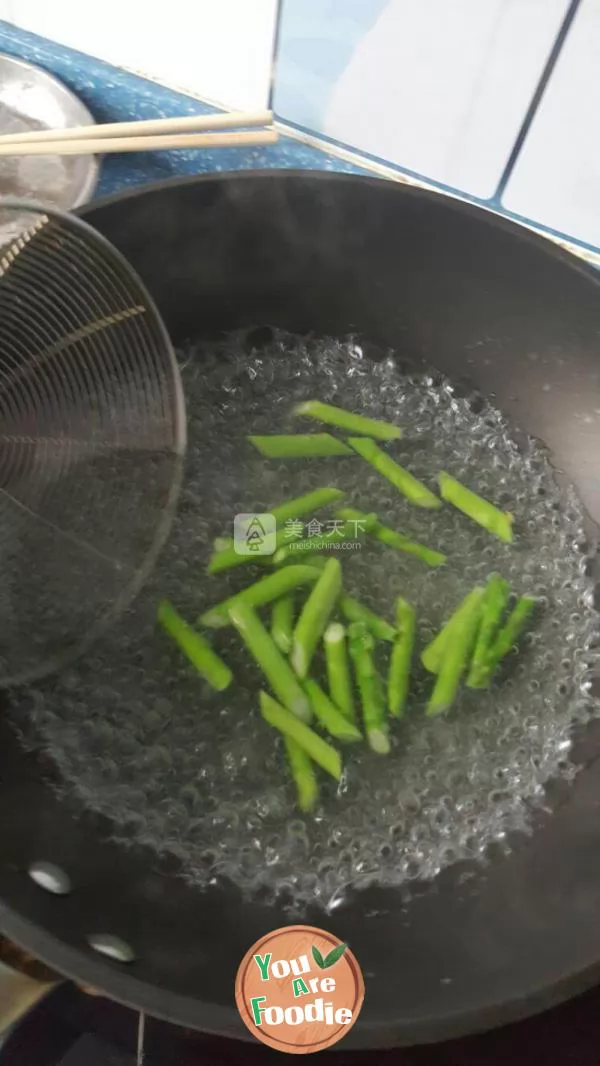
(475, 507)
(361, 644)
(308, 546)
(338, 670)
(303, 774)
(401, 658)
(457, 652)
(328, 715)
(221, 544)
(336, 416)
(354, 611)
(314, 616)
(510, 632)
(307, 504)
(299, 446)
(282, 622)
(433, 654)
(392, 538)
(229, 558)
(267, 589)
(195, 647)
(225, 557)
(276, 669)
(494, 602)
(409, 486)
(318, 749)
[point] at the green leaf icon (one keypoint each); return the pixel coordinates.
(332, 958)
(316, 954)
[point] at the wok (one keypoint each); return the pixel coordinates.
(492, 305)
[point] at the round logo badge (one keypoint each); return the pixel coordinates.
(299, 989)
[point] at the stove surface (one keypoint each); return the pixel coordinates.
(70, 1028)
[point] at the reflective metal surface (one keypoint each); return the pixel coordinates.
(31, 99)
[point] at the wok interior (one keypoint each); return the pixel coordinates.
(485, 304)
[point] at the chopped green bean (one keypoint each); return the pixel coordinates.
(409, 486)
(328, 715)
(320, 542)
(475, 507)
(282, 622)
(457, 652)
(494, 602)
(354, 611)
(276, 669)
(269, 588)
(510, 632)
(314, 616)
(225, 557)
(299, 446)
(361, 644)
(221, 544)
(307, 504)
(303, 774)
(336, 416)
(338, 669)
(195, 647)
(310, 742)
(433, 654)
(229, 558)
(401, 658)
(392, 538)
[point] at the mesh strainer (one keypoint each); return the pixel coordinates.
(92, 436)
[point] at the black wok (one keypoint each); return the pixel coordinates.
(492, 305)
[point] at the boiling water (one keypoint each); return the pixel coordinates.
(138, 736)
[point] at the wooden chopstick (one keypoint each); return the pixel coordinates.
(102, 145)
(182, 124)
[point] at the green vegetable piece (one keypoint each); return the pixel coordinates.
(307, 504)
(433, 654)
(334, 955)
(229, 558)
(392, 538)
(282, 623)
(195, 647)
(303, 774)
(267, 589)
(318, 749)
(401, 658)
(354, 611)
(299, 446)
(328, 715)
(221, 544)
(361, 644)
(316, 954)
(276, 669)
(336, 416)
(314, 616)
(409, 486)
(457, 652)
(475, 507)
(510, 632)
(296, 508)
(338, 670)
(494, 602)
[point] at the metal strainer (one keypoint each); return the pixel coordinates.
(92, 437)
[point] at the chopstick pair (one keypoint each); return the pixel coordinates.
(146, 135)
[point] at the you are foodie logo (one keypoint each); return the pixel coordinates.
(299, 989)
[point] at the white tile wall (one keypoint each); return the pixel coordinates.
(219, 49)
(439, 87)
(556, 180)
